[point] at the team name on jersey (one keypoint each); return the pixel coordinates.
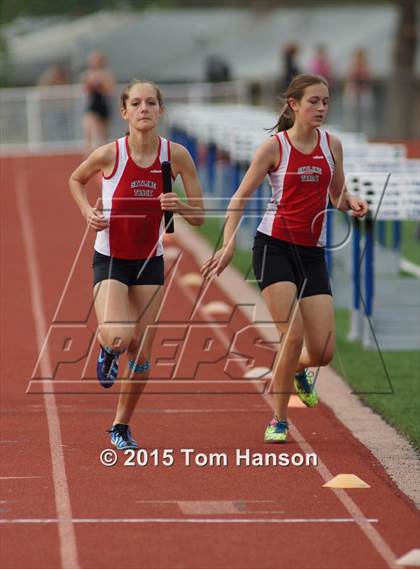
(143, 193)
(309, 173)
(137, 185)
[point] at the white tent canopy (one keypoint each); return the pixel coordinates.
(172, 45)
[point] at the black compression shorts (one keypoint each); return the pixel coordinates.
(98, 104)
(276, 261)
(127, 271)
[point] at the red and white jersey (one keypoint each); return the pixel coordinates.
(130, 201)
(297, 211)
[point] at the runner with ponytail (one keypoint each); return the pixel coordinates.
(305, 167)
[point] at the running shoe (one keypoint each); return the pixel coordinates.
(305, 388)
(107, 367)
(121, 437)
(276, 431)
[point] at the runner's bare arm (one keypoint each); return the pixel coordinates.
(340, 197)
(193, 208)
(265, 159)
(101, 160)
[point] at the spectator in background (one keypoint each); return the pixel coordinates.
(358, 94)
(320, 64)
(290, 67)
(98, 83)
(217, 69)
(57, 124)
(54, 74)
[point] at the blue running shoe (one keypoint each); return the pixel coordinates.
(305, 388)
(107, 367)
(121, 437)
(276, 431)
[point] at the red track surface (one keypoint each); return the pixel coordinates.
(181, 517)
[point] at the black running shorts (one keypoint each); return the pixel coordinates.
(127, 271)
(276, 261)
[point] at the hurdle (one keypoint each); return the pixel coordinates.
(231, 134)
(391, 198)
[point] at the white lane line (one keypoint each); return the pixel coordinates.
(410, 267)
(172, 411)
(353, 509)
(163, 411)
(18, 477)
(208, 507)
(157, 381)
(370, 532)
(364, 521)
(67, 536)
(271, 512)
(177, 501)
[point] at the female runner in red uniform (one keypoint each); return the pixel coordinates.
(305, 168)
(128, 256)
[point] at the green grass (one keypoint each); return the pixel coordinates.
(410, 248)
(387, 382)
(212, 229)
(410, 244)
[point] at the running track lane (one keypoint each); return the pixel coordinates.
(160, 517)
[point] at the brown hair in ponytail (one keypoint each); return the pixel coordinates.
(295, 90)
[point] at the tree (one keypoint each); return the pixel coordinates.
(402, 90)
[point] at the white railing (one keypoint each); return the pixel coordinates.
(379, 172)
(43, 118)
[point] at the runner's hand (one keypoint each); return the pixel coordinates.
(170, 201)
(216, 264)
(357, 206)
(95, 219)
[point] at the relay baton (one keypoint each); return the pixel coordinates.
(167, 188)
